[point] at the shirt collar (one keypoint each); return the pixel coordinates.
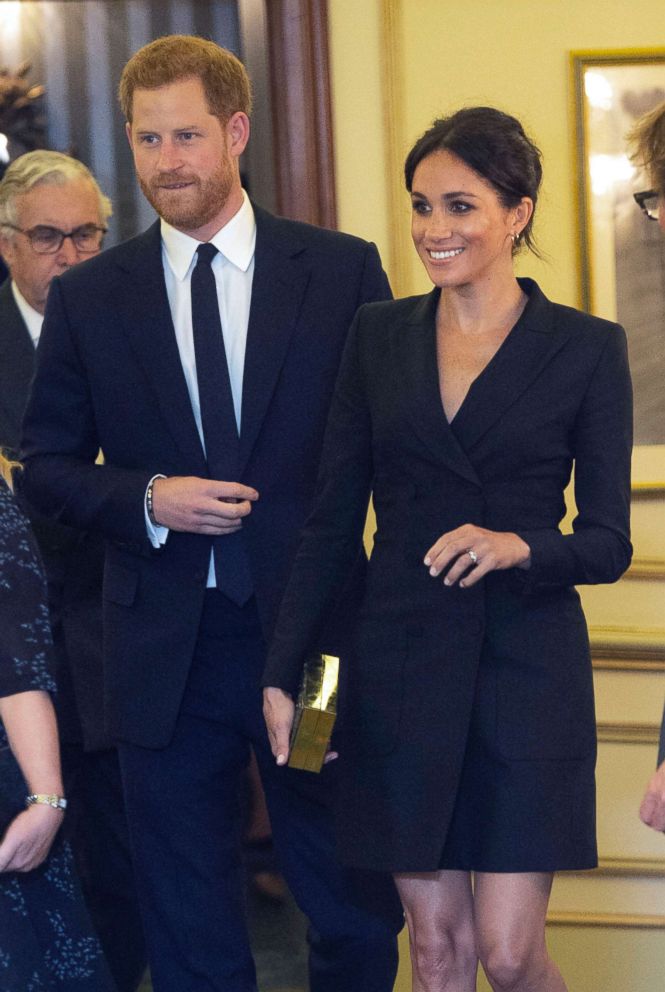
(32, 318)
(235, 241)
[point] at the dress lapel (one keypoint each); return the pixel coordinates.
(528, 348)
(281, 274)
(415, 348)
(146, 319)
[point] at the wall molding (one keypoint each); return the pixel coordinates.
(627, 733)
(609, 921)
(632, 647)
(627, 665)
(646, 568)
(630, 868)
(641, 491)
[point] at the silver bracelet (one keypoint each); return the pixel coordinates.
(42, 799)
(148, 502)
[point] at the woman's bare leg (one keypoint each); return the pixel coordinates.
(439, 915)
(509, 914)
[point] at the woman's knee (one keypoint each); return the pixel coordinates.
(441, 951)
(511, 964)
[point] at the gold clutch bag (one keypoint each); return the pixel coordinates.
(315, 714)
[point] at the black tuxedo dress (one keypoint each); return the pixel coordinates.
(467, 715)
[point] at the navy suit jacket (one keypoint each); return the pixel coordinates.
(109, 376)
(72, 560)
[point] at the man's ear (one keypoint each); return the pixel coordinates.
(237, 130)
(128, 132)
(7, 250)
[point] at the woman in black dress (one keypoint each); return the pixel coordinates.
(467, 723)
(46, 942)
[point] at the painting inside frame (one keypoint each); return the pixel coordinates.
(622, 252)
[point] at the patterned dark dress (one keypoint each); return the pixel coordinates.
(46, 940)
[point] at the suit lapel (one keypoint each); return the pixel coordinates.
(528, 348)
(17, 364)
(415, 349)
(281, 275)
(147, 321)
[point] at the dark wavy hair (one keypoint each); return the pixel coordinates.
(494, 145)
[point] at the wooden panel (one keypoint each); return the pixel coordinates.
(302, 116)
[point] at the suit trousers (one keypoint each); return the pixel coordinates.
(96, 827)
(182, 806)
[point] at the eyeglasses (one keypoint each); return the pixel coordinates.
(48, 240)
(647, 201)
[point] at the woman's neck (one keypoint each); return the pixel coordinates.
(481, 308)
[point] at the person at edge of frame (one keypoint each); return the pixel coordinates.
(46, 936)
(647, 144)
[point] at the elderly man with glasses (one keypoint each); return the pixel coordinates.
(53, 215)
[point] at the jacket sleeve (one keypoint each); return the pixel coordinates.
(60, 447)
(599, 549)
(333, 532)
(374, 286)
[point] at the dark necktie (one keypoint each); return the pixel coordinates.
(220, 431)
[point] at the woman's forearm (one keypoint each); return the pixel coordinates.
(29, 719)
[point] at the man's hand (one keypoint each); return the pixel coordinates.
(278, 711)
(652, 810)
(201, 506)
(28, 838)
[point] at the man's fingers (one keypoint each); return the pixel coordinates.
(218, 529)
(232, 511)
(230, 490)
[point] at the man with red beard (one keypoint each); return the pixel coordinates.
(200, 357)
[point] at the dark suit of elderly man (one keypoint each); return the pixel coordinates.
(201, 358)
(52, 216)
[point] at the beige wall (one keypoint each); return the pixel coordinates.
(396, 65)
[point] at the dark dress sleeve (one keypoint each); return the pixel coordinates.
(25, 637)
(333, 532)
(599, 549)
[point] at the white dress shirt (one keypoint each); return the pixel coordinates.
(32, 318)
(233, 268)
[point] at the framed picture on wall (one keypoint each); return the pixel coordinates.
(622, 252)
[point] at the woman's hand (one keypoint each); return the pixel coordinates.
(28, 838)
(469, 552)
(652, 810)
(278, 712)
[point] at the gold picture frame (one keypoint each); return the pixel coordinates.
(621, 253)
